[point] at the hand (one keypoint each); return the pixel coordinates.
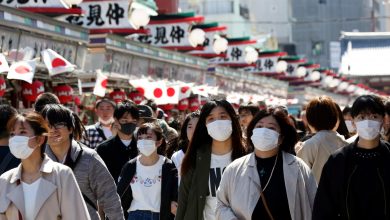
(174, 207)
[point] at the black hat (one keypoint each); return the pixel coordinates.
(145, 111)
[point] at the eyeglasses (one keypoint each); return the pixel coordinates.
(58, 126)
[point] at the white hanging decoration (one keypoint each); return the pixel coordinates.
(301, 71)
(315, 75)
(138, 17)
(281, 66)
(251, 55)
(197, 37)
(220, 44)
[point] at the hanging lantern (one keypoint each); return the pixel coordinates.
(251, 55)
(194, 104)
(117, 95)
(138, 18)
(281, 66)
(301, 71)
(183, 105)
(220, 44)
(76, 100)
(2, 86)
(64, 93)
(166, 107)
(31, 91)
(315, 75)
(137, 97)
(197, 37)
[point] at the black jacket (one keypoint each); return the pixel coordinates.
(115, 154)
(332, 200)
(169, 187)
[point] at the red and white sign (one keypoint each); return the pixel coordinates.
(33, 3)
(55, 63)
(22, 70)
(235, 55)
(118, 96)
(208, 44)
(183, 105)
(3, 64)
(136, 96)
(64, 93)
(31, 91)
(194, 104)
(2, 86)
(101, 84)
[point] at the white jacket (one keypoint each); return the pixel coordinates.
(239, 190)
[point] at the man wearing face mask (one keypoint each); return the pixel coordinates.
(355, 180)
(119, 149)
(103, 129)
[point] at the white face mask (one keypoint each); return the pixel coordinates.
(265, 139)
(18, 145)
(146, 147)
(106, 122)
(350, 127)
(220, 130)
(368, 129)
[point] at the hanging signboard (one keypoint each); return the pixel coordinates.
(208, 43)
(235, 55)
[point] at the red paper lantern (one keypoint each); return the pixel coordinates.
(136, 96)
(118, 95)
(166, 107)
(64, 93)
(77, 100)
(2, 86)
(194, 104)
(183, 105)
(31, 91)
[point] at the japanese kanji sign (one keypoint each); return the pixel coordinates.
(101, 15)
(167, 35)
(234, 55)
(208, 44)
(32, 3)
(266, 64)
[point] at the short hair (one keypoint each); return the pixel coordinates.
(252, 108)
(347, 110)
(58, 113)
(44, 99)
(322, 113)
(287, 131)
(7, 113)
(126, 106)
(368, 103)
(106, 100)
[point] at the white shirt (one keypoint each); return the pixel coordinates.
(146, 187)
(107, 132)
(30, 197)
(217, 166)
(177, 159)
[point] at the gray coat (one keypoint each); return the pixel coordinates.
(239, 190)
(94, 181)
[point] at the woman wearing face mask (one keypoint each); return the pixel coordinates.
(96, 183)
(38, 189)
(186, 133)
(354, 182)
(269, 183)
(216, 142)
(148, 183)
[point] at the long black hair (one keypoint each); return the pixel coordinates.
(202, 139)
(56, 113)
(183, 138)
(287, 131)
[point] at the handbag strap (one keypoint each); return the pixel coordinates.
(266, 205)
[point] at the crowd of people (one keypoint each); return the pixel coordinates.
(254, 162)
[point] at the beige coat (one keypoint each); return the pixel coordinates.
(316, 151)
(239, 190)
(58, 195)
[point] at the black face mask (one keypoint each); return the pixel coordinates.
(128, 128)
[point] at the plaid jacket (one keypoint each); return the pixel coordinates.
(93, 135)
